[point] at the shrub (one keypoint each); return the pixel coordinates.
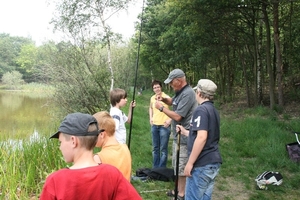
(12, 80)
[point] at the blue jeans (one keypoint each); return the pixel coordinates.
(160, 140)
(200, 185)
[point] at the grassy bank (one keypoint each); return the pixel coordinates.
(252, 141)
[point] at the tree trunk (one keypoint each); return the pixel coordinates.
(268, 55)
(279, 64)
(108, 47)
(259, 65)
(242, 59)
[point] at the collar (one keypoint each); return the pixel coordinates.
(179, 92)
(207, 101)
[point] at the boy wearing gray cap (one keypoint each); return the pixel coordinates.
(203, 144)
(85, 179)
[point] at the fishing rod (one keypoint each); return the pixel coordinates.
(136, 70)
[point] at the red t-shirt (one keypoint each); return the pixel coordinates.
(103, 182)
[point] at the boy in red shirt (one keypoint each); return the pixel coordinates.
(85, 179)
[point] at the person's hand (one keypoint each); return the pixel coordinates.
(151, 122)
(167, 123)
(188, 168)
(158, 104)
(132, 104)
(180, 129)
(158, 97)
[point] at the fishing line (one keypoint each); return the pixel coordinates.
(136, 70)
(150, 191)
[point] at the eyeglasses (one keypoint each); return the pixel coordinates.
(172, 81)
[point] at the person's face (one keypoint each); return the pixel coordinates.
(66, 147)
(123, 102)
(175, 84)
(157, 89)
(197, 94)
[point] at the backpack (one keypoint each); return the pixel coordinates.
(159, 173)
(142, 172)
(268, 177)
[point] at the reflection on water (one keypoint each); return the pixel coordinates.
(23, 116)
(17, 144)
(6, 101)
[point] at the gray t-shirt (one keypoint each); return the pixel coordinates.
(183, 103)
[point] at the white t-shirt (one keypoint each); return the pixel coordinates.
(120, 120)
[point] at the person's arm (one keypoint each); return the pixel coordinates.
(132, 105)
(150, 113)
(166, 100)
(45, 195)
(167, 123)
(196, 150)
(182, 130)
(173, 115)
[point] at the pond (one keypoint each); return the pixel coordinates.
(24, 116)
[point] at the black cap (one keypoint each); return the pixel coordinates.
(77, 124)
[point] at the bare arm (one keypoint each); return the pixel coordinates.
(150, 113)
(167, 101)
(173, 115)
(132, 105)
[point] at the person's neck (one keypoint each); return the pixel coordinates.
(110, 141)
(117, 106)
(83, 159)
(203, 100)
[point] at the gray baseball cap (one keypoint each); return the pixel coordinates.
(206, 86)
(176, 73)
(77, 124)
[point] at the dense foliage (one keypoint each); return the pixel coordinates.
(248, 47)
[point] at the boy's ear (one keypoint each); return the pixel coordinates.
(102, 134)
(75, 141)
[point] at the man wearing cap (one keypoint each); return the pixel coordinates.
(183, 104)
(203, 144)
(85, 179)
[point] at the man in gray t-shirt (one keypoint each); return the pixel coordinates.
(183, 103)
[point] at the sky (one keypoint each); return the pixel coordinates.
(30, 18)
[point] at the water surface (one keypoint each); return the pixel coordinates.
(24, 115)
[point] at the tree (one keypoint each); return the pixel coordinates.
(10, 48)
(28, 61)
(87, 21)
(12, 80)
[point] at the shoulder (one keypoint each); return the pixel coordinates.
(109, 169)
(189, 90)
(152, 98)
(115, 110)
(58, 174)
(165, 95)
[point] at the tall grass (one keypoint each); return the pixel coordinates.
(252, 141)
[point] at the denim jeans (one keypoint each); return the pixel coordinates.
(160, 140)
(200, 185)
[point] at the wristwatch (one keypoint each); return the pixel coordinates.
(161, 109)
